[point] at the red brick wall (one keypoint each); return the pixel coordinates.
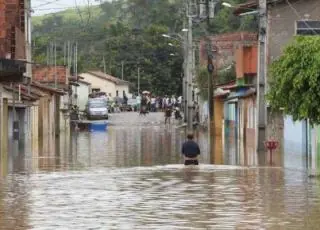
(46, 74)
(226, 43)
(12, 25)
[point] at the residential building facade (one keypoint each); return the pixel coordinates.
(101, 82)
(80, 93)
(299, 141)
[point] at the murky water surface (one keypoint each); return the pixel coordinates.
(132, 178)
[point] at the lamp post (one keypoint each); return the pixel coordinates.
(183, 40)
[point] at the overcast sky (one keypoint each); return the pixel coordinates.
(41, 7)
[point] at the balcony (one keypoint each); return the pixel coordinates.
(12, 70)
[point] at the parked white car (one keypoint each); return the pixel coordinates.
(97, 108)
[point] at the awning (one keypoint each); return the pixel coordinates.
(240, 94)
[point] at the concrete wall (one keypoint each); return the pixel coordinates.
(35, 129)
(64, 122)
(218, 151)
(122, 88)
(295, 155)
(82, 91)
(230, 133)
(44, 117)
(282, 20)
(104, 85)
(282, 23)
(4, 126)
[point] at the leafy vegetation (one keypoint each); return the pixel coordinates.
(295, 77)
(225, 75)
(128, 31)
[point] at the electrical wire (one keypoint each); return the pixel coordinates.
(46, 3)
(299, 16)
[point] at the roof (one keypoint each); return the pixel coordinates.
(241, 94)
(47, 88)
(24, 95)
(108, 77)
(84, 82)
(249, 6)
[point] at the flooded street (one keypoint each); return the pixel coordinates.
(131, 177)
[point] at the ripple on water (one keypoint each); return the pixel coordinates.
(161, 197)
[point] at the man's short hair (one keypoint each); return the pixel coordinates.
(190, 136)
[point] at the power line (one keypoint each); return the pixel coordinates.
(299, 16)
(46, 3)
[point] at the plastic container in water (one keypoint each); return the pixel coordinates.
(98, 127)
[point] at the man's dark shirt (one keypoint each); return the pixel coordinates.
(168, 112)
(190, 149)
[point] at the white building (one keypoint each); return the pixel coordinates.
(101, 82)
(80, 93)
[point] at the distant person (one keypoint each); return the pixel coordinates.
(167, 115)
(190, 150)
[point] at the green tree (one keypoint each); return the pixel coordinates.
(294, 80)
(225, 75)
(129, 31)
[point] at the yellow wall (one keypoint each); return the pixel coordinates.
(103, 85)
(217, 154)
(4, 136)
(35, 135)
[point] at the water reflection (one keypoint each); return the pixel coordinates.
(131, 177)
(132, 146)
(162, 197)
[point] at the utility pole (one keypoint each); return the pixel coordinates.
(55, 65)
(261, 82)
(64, 52)
(76, 70)
(184, 81)
(189, 75)
(104, 65)
(138, 80)
(122, 65)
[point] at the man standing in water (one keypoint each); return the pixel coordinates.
(190, 150)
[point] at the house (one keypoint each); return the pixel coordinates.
(80, 93)
(235, 112)
(12, 40)
(12, 54)
(12, 99)
(234, 102)
(101, 82)
(56, 77)
(285, 20)
(226, 45)
(35, 109)
(50, 114)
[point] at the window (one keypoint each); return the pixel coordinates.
(117, 93)
(307, 27)
(95, 90)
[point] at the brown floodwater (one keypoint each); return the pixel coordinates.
(131, 177)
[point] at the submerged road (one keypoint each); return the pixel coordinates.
(131, 177)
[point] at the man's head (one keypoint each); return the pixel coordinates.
(190, 136)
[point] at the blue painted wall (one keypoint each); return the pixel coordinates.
(295, 140)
